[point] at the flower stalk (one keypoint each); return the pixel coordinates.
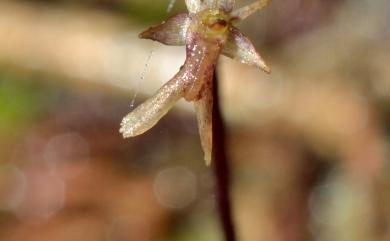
(221, 167)
(207, 32)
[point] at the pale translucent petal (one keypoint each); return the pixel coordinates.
(248, 10)
(170, 32)
(201, 59)
(240, 48)
(204, 112)
(194, 6)
(226, 5)
(211, 4)
(146, 115)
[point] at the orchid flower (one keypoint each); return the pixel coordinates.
(207, 31)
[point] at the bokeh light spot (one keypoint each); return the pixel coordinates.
(175, 187)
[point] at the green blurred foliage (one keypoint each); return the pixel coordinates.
(22, 98)
(146, 12)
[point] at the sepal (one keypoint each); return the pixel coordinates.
(147, 114)
(204, 114)
(194, 6)
(170, 32)
(240, 48)
(248, 10)
(227, 5)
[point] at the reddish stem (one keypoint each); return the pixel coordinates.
(221, 167)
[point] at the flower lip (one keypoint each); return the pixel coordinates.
(215, 21)
(218, 24)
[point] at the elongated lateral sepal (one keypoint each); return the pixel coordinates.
(146, 115)
(240, 48)
(204, 112)
(171, 32)
(244, 12)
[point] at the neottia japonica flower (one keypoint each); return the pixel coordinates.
(207, 31)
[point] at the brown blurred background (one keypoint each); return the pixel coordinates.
(309, 144)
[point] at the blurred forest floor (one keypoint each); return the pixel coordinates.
(309, 143)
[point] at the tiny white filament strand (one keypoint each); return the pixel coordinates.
(142, 77)
(143, 73)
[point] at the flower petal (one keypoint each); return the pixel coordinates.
(239, 47)
(170, 32)
(194, 6)
(146, 115)
(226, 5)
(248, 10)
(201, 59)
(204, 111)
(211, 4)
